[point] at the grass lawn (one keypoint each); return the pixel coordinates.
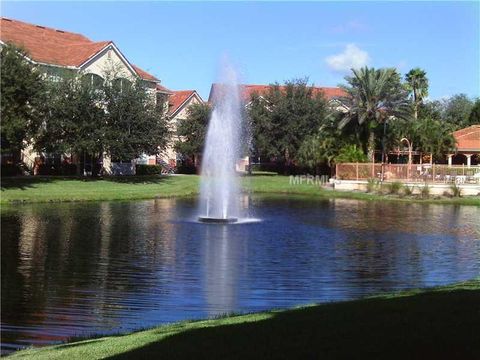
(435, 323)
(45, 189)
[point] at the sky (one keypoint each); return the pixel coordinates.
(183, 43)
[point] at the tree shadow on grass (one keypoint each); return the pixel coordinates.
(26, 182)
(432, 325)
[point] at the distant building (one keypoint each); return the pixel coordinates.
(178, 103)
(331, 94)
(468, 146)
(56, 52)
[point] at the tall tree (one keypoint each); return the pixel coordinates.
(474, 117)
(134, 124)
(75, 121)
(427, 135)
(284, 117)
(22, 99)
(417, 83)
(457, 110)
(373, 97)
(192, 131)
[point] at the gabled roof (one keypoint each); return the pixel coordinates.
(163, 89)
(248, 90)
(55, 47)
(180, 98)
(468, 139)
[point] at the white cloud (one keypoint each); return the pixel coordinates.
(351, 57)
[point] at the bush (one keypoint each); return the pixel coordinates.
(372, 185)
(350, 154)
(184, 168)
(408, 190)
(425, 191)
(394, 187)
(11, 170)
(148, 169)
(456, 191)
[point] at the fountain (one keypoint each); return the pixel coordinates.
(219, 192)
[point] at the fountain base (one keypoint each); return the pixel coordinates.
(212, 220)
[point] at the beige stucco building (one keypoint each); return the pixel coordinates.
(57, 52)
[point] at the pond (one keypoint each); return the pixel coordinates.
(77, 269)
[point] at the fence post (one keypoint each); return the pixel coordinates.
(356, 170)
(433, 173)
(336, 171)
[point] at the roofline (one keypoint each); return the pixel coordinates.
(43, 26)
(194, 93)
(42, 63)
(114, 47)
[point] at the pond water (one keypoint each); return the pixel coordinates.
(78, 269)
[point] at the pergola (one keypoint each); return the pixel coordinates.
(468, 143)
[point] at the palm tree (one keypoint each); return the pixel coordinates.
(417, 83)
(373, 97)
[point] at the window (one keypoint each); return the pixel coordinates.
(121, 84)
(93, 80)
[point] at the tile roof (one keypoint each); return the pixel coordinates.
(248, 90)
(178, 99)
(468, 139)
(55, 47)
(163, 89)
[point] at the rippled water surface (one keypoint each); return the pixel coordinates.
(88, 268)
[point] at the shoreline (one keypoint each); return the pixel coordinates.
(62, 189)
(436, 320)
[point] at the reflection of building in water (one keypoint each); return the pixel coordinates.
(221, 266)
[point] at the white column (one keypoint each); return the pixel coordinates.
(450, 159)
(469, 159)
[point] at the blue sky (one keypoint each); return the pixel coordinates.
(182, 43)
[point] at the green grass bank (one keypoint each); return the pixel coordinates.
(440, 323)
(53, 189)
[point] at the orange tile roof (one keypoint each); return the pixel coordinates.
(178, 99)
(468, 139)
(54, 47)
(163, 89)
(248, 90)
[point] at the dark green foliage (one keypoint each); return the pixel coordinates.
(373, 97)
(283, 118)
(22, 99)
(417, 82)
(192, 130)
(350, 154)
(148, 169)
(134, 125)
(474, 117)
(11, 170)
(425, 134)
(75, 122)
(457, 111)
(394, 187)
(456, 190)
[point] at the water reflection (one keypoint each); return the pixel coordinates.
(77, 269)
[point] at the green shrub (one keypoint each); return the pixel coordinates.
(425, 191)
(372, 185)
(456, 191)
(394, 187)
(408, 190)
(11, 170)
(148, 169)
(351, 154)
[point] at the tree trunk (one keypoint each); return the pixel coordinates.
(371, 146)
